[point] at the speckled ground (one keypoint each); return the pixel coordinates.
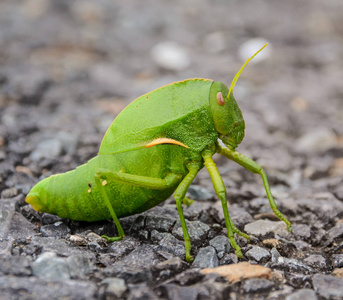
(67, 68)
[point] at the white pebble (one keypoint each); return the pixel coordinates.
(317, 140)
(170, 56)
(250, 47)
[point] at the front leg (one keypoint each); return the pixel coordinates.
(253, 167)
(219, 187)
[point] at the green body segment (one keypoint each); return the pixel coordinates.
(74, 195)
(185, 117)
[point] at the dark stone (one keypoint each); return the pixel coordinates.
(222, 245)
(161, 224)
(258, 254)
(49, 266)
(40, 289)
(188, 277)
(200, 211)
(60, 246)
(50, 219)
(79, 266)
(239, 216)
(167, 269)
(338, 192)
(206, 258)
(112, 288)
(27, 89)
(302, 231)
(99, 228)
(137, 225)
(20, 228)
(303, 294)
(327, 286)
(324, 205)
(94, 246)
(136, 266)
(257, 285)
(122, 247)
(172, 245)
(5, 222)
(210, 288)
(289, 264)
(337, 260)
(197, 231)
(335, 234)
(141, 292)
(30, 214)
(9, 193)
(316, 261)
(173, 291)
(143, 235)
(15, 265)
(299, 281)
(58, 229)
(168, 211)
(264, 227)
(301, 245)
(228, 258)
(198, 192)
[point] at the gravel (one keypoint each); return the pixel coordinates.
(67, 68)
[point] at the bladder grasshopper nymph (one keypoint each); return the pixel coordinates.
(154, 148)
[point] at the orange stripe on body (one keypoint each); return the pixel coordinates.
(160, 141)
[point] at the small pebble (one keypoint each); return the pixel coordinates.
(79, 265)
(49, 266)
(115, 287)
(51, 148)
(258, 254)
(257, 285)
(262, 227)
(315, 261)
(206, 258)
(58, 229)
(9, 193)
(327, 286)
(170, 56)
(301, 231)
(198, 192)
(303, 294)
(248, 48)
(75, 239)
(337, 260)
(221, 244)
(317, 140)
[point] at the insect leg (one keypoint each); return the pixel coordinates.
(179, 196)
(147, 182)
(186, 201)
(253, 167)
(99, 184)
(219, 187)
(170, 180)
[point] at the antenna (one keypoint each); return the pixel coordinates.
(240, 71)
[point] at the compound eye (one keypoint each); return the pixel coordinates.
(220, 98)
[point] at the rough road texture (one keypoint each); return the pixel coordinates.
(67, 68)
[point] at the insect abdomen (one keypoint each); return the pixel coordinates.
(67, 195)
(74, 195)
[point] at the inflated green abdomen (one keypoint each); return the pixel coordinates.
(74, 195)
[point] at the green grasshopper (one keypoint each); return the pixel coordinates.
(154, 148)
